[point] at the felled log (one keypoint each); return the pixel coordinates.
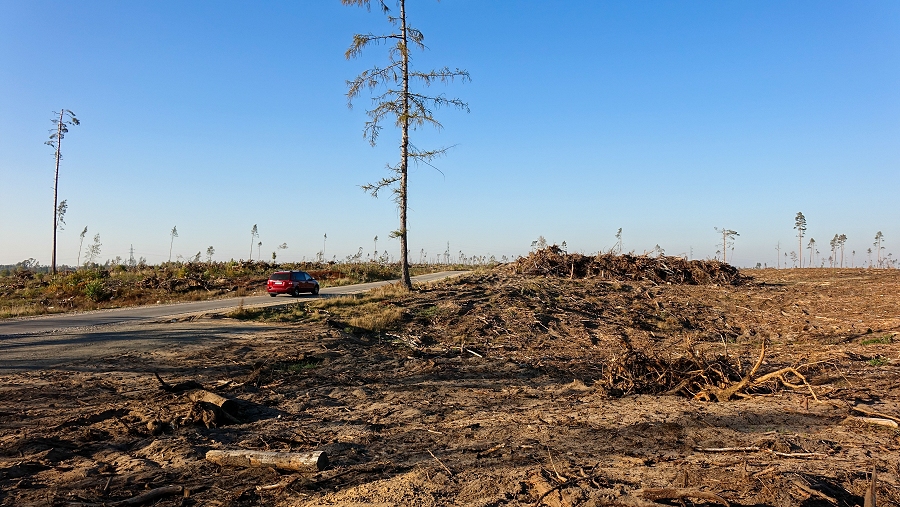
(298, 461)
(228, 405)
(880, 421)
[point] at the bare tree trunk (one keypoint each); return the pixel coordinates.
(56, 188)
(404, 154)
(80, 244)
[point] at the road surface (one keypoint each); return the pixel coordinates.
(139, 314)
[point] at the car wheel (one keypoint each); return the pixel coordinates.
(315, 291)
(272, 294)
(295, 293)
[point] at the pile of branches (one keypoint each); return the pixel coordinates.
(698, 377)
(553, 261)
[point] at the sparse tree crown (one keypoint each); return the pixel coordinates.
(727, 240)
(800, 225)
(61, 124)
(395, 100)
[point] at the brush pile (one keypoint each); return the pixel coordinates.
(552, 261)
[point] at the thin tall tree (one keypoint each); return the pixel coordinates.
(811, 246)
(254, 233)
(57, 133)
(174, 234)
(834, 244)
(800, 225)
(409, 109)
(727, 240)
(842, 240)
(879, 238)
(81, 244)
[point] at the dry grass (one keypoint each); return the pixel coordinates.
(375, 311)
(26, 293)
(377, 317)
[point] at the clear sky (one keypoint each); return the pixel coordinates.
(666, 119)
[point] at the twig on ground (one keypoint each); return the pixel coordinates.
(869, 500)
(761, 449)
(875, 414)
(143, 498)
(440, 463)
(679, 494)
(813, 492)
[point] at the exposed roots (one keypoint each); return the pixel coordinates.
(708, 380)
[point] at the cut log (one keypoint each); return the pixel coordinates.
(880, 421)
(222, 402)
(298, 461)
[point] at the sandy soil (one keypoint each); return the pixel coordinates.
(496, 389)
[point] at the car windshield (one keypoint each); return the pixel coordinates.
(280, 276)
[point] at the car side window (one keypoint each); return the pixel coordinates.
(304, 276)
(296, 277)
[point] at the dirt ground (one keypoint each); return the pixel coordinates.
(496, 388)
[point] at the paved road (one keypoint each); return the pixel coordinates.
(68, 321)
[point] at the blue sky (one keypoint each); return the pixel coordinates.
(666, 119)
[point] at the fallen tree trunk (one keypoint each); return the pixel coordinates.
(298, 461)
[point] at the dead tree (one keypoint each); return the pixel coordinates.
(61, 128)
(408, 108)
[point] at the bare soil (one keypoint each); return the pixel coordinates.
(503, 387)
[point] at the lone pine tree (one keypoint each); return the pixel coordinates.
(174, 234)
(727, 240)
(57, 133)
(800, 225)
(408, 108)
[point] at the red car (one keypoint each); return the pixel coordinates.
(291, 282)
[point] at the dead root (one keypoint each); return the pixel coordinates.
(751, 381)
(557, 496)
(717, 379)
